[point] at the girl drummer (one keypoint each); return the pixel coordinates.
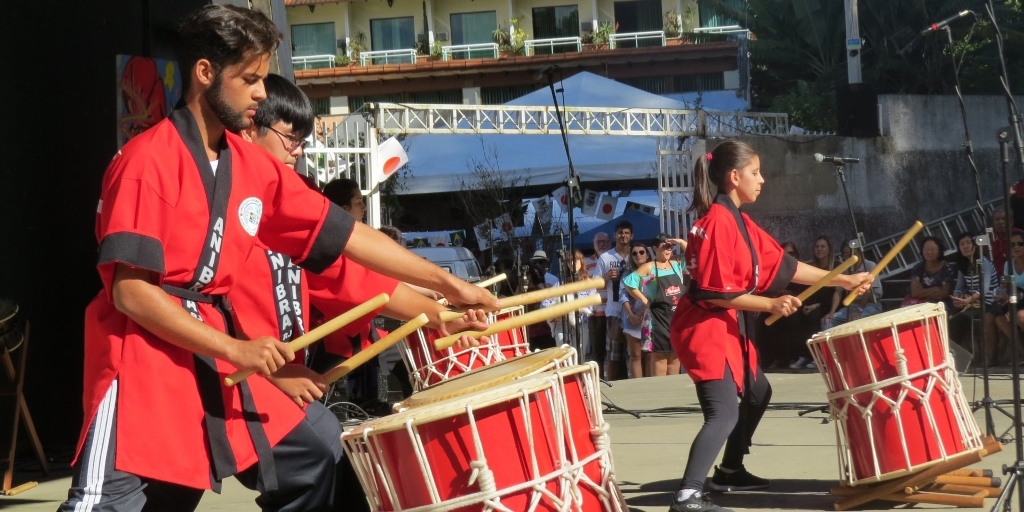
(735, 267)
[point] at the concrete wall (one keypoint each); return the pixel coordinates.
(916, 170)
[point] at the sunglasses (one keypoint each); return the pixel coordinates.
(1017, 244)
(640, 253)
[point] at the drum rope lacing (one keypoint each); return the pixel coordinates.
(425, 371)
(481, 475)
(940, 376)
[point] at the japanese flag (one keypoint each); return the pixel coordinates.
(504, 223)
(391, 156)
(562, 198)
(606, 208)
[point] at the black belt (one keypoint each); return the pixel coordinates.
(208, 381)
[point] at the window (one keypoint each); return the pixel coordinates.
(474, 27)
(504, 94)
(313, 39)
(551, 22)
(638, 16)
(444, 97)
(392, 34)
(321, 106)
(705, 82)
(711, 18)
(651, 84)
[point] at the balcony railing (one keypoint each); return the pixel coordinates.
(568, 43)
(405, 56)
(470, 51)
(313, 62)
(651, 37)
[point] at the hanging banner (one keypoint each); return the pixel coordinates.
(483, 235)
(630, 205)
(590, 198)
(456, 238)
(606, 208)
(542, 210)
(420, 242)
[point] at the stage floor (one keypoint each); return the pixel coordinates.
(797, 453)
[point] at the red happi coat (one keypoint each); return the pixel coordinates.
(274, 298)
(705, 337)
(340, 288)
(158, 198)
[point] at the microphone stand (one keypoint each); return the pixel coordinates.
(1016, 470)
(986, 402)
(572, 181)
(968, 146)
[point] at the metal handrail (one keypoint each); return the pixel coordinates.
(636, 37)
(306, 61)
(551, 43)
(388, 55)
(448, 51)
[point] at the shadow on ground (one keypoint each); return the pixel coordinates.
(784, 494)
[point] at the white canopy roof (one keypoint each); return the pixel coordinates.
(442, 163)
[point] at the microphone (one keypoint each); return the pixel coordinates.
(547, 70)
(942, 24)
(820, 158)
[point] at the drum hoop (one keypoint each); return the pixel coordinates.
(11, 314)
(430, 412)
(448, 389)
(883, 320)
(428, 370)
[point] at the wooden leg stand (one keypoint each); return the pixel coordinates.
(945, 483)
(21, 415)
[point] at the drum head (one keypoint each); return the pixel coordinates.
(499, 392)
(883, 320)
(489, 376)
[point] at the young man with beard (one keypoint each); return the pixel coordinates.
(181, 207)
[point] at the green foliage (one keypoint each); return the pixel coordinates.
(341, 60)
(671, 26)
(436, 50)
(810, 105)
(356, 45)
(514, 41)
(603, 33)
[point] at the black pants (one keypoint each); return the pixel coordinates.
(598, 333)
(304, 463)
(722, 425)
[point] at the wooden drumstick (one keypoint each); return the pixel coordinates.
(530, 318)
(483, 284)
(533, 297)
(851, 261)
(316, 334)
(907, 237)
(496, 279)
(375, 349)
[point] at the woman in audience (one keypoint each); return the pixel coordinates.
(816, 306)
(777, 342)
(658, 286)
(933, 279)
(1014, 269)
(634, 314)
(971, 288)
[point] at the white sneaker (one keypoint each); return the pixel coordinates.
(811, 366)
(800, 362)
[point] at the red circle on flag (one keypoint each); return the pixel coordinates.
(564, 199)
(506, 227)
(606, 208)
(391, 165)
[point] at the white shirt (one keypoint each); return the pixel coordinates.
(608, 260)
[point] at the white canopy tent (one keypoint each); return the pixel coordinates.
(442, 163)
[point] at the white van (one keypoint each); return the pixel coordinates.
(456, 260)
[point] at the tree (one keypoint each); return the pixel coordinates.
(488, 193)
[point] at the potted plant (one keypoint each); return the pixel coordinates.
(603, 34)
(510, 42)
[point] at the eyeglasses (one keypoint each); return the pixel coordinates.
(292, 143)
(640, 253)
(1017, 244)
